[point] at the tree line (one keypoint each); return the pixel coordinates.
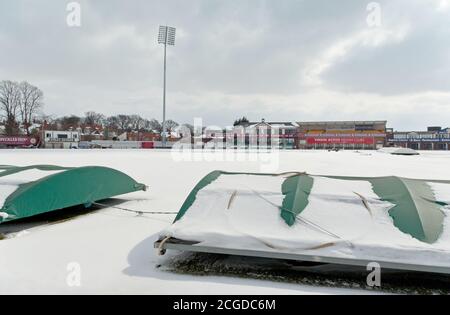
(21, 105)
(116, 123)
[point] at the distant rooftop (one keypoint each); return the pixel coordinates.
(344, 122)
(271, 123)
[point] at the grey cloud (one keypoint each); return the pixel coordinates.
(231, 58)
(418, 63)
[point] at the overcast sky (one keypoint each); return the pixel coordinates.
(279, 60)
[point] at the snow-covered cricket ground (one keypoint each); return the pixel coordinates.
(114, 249)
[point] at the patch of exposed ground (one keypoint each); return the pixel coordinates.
(324, 275)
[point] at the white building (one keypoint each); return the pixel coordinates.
(61, 139)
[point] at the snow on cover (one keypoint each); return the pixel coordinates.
(10, 183)
(253, 221)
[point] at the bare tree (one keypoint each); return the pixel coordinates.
(112, 123)
(137, 122)
(48, 122)
(30, 103)
(93, 119)
(68, 122)
(124, 122)
(155, 125)
(151, 125)
(9, 105)
(171, 125)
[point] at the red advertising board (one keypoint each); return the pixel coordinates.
(342, 140)
(18, 141)
(147, 145)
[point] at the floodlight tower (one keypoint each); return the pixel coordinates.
(166, 37)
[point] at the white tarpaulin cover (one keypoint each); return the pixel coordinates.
(343, 218)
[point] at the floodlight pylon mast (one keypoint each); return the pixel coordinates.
(164, 96)
(166, 37)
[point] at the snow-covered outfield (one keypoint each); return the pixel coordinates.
(114, 249)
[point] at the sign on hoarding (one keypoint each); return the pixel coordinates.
(17, 141)
(420, 140)
(345, 140)
(147, 144)
(345, 135)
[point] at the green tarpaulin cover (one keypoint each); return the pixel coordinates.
(31, 190)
